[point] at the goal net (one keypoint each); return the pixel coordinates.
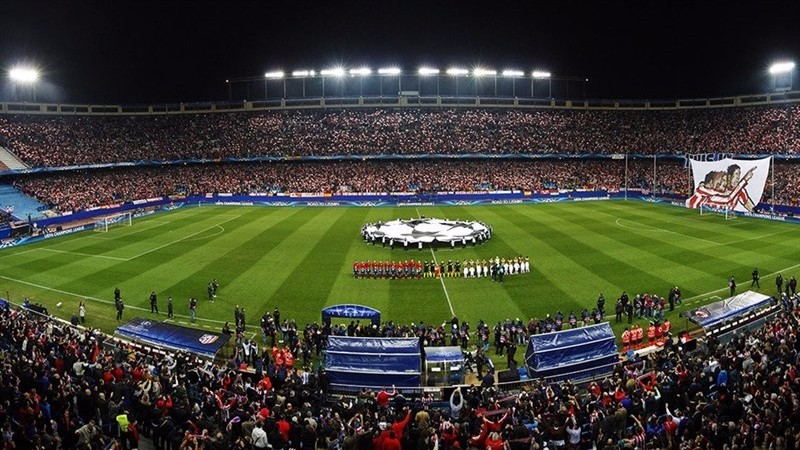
(724, 211)
(122, 219)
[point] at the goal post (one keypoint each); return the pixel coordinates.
(726, 211)
(124, 219)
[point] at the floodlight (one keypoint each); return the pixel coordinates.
(24, 75)
(540, 74)
(335, 72)
(363, 71)
(513, 73)
(457, 71)
(303, 73)
(428, 71)
(781, 67)
(276, 74)
(481, 72)
(389, 71)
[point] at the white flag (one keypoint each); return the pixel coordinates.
(729, 184)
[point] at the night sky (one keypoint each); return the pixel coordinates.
(138, 52)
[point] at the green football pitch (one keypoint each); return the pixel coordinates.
(300, 260)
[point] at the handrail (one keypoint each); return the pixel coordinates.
(71, 109)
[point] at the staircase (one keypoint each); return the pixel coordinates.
(10, 162)
(23, 205)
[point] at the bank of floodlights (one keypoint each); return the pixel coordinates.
(361, 72)
(482, 72)
(24, 75)
(19, 75)
(513, 73)
(334, 72)
(388, 71)
(457, 71)
(781, 67)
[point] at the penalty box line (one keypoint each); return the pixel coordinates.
(441, 278)
(109, 302)
(118, 258)
(706, 295)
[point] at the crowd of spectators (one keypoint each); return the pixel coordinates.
(68, 191)
(6, 216)
(68, 388)
(53, 141)
(84, 189)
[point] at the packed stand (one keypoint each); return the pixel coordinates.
(53, 141)
(80, 190)
(72, 191)
(63, 388)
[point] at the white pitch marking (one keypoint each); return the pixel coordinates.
(757, 237)
(108, 302)
(221, 230)
(181, 239)
(707, 294)
(18, 253)
(441, 278)
(656, 229)
(115, 258)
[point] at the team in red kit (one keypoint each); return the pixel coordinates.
(388, 269)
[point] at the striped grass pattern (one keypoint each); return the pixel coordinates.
(300, 260)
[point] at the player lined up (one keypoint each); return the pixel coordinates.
(389, 269)
(495, 268)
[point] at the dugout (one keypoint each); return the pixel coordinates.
(722, 319)
(444, 366)
(350, 311)
(578, 354)
(174, 337)
(353, 363)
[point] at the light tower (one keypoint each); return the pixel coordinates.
(25, 77)
(782, 75)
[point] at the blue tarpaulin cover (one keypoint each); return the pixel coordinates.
(716, 313)
(351, 312)
(444, 366)
(444, 354)
(373, 362)
(575, 354)
(205, 343)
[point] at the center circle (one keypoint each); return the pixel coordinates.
(426, 231)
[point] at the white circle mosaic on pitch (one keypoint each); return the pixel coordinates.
(413, 231)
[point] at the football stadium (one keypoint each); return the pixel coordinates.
(390, 258)
(484, 248)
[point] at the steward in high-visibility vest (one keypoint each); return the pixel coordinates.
(626, 339)
(651, 333)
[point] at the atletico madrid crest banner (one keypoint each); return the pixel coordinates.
(729, 184)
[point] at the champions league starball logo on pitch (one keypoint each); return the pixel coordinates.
(426, 231)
